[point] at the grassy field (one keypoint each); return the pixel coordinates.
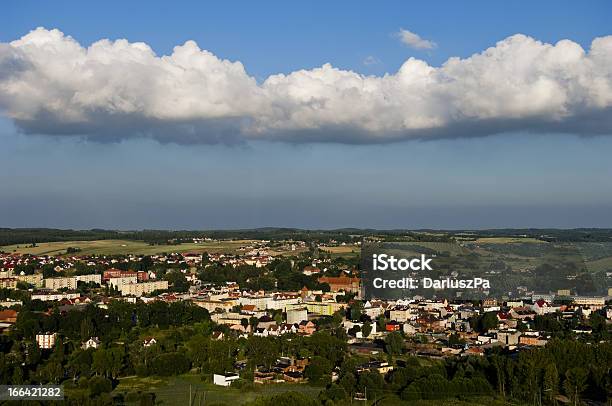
(175, 390)
(115, 247)
(341, 249)
(508, 240)
(602, 264)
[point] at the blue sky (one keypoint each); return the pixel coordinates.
(522, 178)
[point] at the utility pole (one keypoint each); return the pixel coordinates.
(189, 394)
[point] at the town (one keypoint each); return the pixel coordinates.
(286, 313)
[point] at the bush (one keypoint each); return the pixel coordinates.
(172, 363)
(99, 385)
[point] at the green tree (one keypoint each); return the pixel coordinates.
(366, 329)
(551, 381)
(318, 371)
(394, 343)
(575, 383)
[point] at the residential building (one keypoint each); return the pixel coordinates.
(295, 316)
(8, 283)
(93, 342)
(35, 279)
(119, 281)
(46, 341)
(95, 278)
(342, 283)
(225, 379)
(139, 289)
(60, 283)
(48, 296)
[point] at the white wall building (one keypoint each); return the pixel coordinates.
(46, 341)
(295, 316)
(117, 283)
(95, 278)
(139, 289)
(60, 283)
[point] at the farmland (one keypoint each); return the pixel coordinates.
(175, 390)
(118, 247)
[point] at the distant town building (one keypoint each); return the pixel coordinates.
(225, 379)
(342, 283)
(46, 341)
(95, 278)
(8, 283)
(119, 281)
(93, 342)
(49, 296)
(35, 279)
(60, 283)
(139, 289)
(296, 316)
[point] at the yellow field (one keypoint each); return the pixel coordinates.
(342, 249)
(508, 240)
(116, 247)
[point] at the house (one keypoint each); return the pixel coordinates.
(522, 313)
(477, 351)
(342, 283)
(409, 329)
(225, 379)
(375, 366)
(489, 302)
(248, 309)
(218, 335)
(400, 314)
(266, 321)
(392, 326)
(508, 337)
(311, 270)
(541, 306)
(306, 328)
(8, 316)
(532, 341)
(93, 342)
(149, 341)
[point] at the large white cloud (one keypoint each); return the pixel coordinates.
(50, 84)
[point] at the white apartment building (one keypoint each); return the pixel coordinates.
(35, 279)
(295, 316)
(594, 302)
(139, 289)
(120, 281)
(60, 283)
(401, 314)
(51, 296)
(46, 341)
(95, 278)
(260, 302)
(279, 302)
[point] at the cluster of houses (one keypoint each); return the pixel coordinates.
(276, 313)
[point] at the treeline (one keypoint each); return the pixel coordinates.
(120, 319)
(182, 342)
(545, 234)
(569, 368)
(9, 236)
(280, 274)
